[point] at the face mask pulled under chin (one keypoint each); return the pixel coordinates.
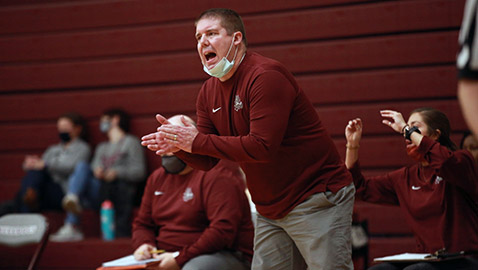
(172, 164)
(224, 66)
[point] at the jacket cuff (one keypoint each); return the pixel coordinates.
(425, 145)
(182, 258)
(198, 141)
(355, 170)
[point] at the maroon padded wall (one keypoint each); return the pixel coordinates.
(352, 58)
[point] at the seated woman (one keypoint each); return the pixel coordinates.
(438, 194)
(46, 178)
(117, 167)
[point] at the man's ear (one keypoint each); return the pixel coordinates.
(237, 38)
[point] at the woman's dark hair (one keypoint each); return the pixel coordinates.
(435, 119)
(123, 116)
(77, 121)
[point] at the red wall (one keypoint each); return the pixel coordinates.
(351, 57)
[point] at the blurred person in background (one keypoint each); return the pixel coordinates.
(117, 167)
(46, 179)
(470, 143)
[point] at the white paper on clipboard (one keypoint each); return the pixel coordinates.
(406, 257)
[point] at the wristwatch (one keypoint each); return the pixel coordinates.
(407, 131)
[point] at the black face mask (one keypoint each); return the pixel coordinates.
(172, 164)
(64, 137)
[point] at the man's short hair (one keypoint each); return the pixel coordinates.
(230, 20)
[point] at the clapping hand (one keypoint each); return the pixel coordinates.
(155, 142)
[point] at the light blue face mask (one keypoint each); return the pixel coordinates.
(223, 66)
(105, 126)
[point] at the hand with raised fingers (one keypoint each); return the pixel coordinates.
(394, 120)
(353, 132)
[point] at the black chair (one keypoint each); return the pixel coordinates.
(360, 242)
(20, 229)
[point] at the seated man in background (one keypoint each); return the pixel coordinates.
(117, 166)
(202, 219)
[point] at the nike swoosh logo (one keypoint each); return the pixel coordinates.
(215, 110)
(416, 188)
(157, 193)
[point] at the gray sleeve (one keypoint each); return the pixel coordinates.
(96, 162)
(133, 168)
(63, 162)
(49, 153)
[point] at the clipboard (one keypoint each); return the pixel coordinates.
(439, 255)
(129, 263)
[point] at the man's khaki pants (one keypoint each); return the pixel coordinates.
(314, 235)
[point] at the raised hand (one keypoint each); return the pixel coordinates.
(394, 120)
(353, 132)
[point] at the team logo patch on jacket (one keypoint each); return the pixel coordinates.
(438, 179)
(237, 103)
(188, 195)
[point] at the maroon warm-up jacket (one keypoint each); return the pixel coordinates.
(442, 209)
(197, 213)
(263, 120)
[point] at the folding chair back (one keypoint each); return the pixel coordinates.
(21, 229)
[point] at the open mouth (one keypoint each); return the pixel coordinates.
(209, 56)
